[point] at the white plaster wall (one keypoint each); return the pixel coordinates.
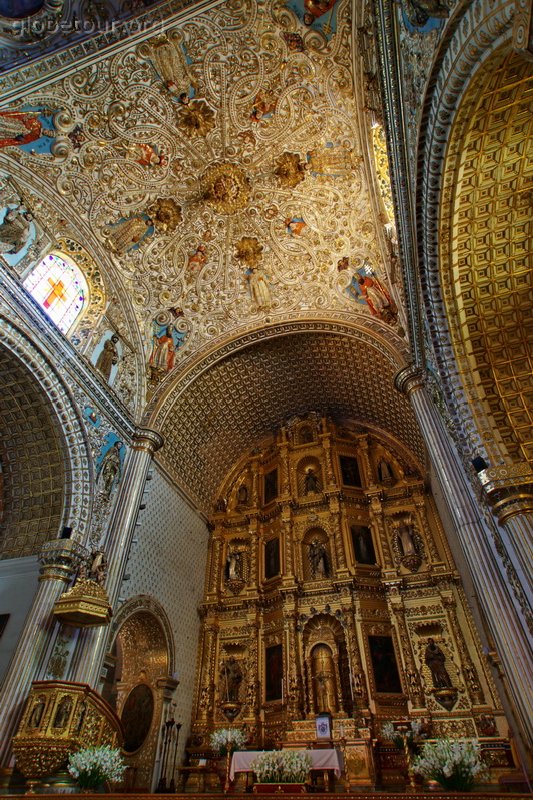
(18, 584)
(168, 563)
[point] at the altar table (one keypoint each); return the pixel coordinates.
(320, 760)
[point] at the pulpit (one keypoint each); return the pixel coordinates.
(60, 718)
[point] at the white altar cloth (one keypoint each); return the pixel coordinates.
(320, 760)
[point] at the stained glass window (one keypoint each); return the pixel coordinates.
(60, 289)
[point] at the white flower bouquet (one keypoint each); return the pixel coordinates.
(454, 763)
(282, 766)
(94, 766)
(411, 732)
(226, 740)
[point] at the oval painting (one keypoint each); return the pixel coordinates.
(136, 716)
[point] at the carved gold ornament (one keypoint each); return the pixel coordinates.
(196, 118)
(225, 187)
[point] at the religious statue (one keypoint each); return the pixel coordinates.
(15, 230)
(163, 352)
(231, 678)
(259, 288)
(377, 298)
(108, 357)
(318, 559)
(234, 566)
(128, 233)
(242, 495)
(168, 58)
(324, 679)
(384, 472)
(110, 469)
(311, 484)
(407, 544)
(98, 567)
(435, 659)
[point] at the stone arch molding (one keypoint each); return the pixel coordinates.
(78, 242)
(373, 333)
(78, 498)
(477, 34)
(144, 603)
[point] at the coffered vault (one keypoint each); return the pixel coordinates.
(221, 410)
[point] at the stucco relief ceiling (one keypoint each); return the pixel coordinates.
(239, 401)
(220, 167)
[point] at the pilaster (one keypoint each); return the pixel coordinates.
(92, 643)
(507, 624)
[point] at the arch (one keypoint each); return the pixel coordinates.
(69, 429)
(142, 637)
(372, 333)
(148, 604)
(486, 241)
(285, 369)
(464, 50)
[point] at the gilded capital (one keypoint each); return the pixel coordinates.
(509, 489)
(60, 559)
(148, 440)
(409, 378)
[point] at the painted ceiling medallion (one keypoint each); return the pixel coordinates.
(225, 188)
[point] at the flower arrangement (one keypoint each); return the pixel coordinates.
(226, 740)
(410, 733)
(282, 766)
(454, 763)
(94, 766)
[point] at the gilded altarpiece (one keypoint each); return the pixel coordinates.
(330, 588)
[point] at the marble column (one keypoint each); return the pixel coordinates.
(490, 578)
(59, 559)
(508, 490)
(92, 643)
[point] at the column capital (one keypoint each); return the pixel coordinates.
(508, 489)
(409, 378)
(60, 558)
(148, 440)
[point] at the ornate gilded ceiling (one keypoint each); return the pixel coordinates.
(486, 251)
(31, 463)
(209, 423)
(221, 170)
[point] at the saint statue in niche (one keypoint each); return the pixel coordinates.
(407, 544)
(318, 559)
(324, 679)
(435, 660)
(234, 566)
(231, 678)
(384, 472)
(311, 484)
(242, 495)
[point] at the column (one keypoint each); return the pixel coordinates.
(59, 559)
(92, 643)
(507, 625)
(509, 493)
